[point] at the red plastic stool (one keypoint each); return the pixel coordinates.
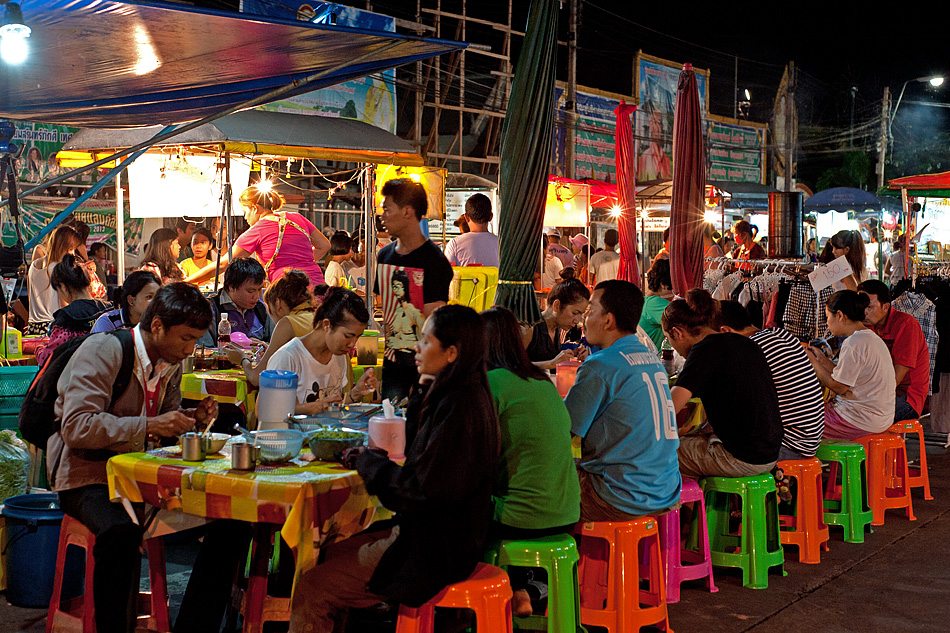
(888, 477)
(487, 592)
(633, 554)
(919, 478)
(806, 528)
(79, 614)
(680, 565)
(257, 607)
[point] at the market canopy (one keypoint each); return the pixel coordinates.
(932, 185)
(256, 132)
(842, 199)
(102, 63)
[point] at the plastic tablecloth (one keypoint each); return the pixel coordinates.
(315, 502)
(228, 385)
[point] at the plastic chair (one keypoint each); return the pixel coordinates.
(919, 478)
(78, 615)
(680, 565)
(557, 555)
(487, 592)
(888, 477)
(846, 504)
(757, 546)
(633, 554)
(805, 528)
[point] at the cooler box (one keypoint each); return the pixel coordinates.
(14, 383)
(474, 286)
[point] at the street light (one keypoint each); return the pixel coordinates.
(934, 80)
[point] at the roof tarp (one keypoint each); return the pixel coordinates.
(269, 133)
(101, 63)
(842, 199)
(933, 185)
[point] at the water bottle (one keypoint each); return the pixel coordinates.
(666, 356)
(224, 330)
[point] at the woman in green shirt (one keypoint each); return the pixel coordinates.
(536, 491)
(659, 294)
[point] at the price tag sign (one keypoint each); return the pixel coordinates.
(824, 276)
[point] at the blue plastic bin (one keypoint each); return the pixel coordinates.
(30, 544)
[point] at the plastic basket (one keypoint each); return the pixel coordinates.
(14, 383)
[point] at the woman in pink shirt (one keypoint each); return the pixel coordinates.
(280, 240)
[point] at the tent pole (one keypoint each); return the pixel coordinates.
(120, 228)
(369, 228)
(226, 198)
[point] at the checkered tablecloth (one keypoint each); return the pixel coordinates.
(225, 386)
(314, 502)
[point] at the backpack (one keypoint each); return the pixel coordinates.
(37, 419)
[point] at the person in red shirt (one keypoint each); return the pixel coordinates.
(905, 340)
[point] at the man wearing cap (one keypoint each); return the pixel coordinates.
(555, 248)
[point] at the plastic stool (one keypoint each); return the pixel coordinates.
(257, 607)
(78, 614)
(558, 556)
(487, 592)
(919, 478)
(888, 478)
(757, 545)
(806, 528)
(699, 562)
(624, 606)
(846, 505)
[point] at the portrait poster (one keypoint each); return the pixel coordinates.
(403, 301)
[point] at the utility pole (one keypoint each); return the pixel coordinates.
(885, 124)
(854, 91)
(570, 123)
(789, 126)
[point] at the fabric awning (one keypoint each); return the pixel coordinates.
(103, 63)
(932, 185)
(842, 199)
(255, 132)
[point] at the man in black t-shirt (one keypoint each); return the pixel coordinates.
(413, 280)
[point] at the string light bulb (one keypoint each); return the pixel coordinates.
(13, 35)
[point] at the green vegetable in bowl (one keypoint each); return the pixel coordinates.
(335, 434)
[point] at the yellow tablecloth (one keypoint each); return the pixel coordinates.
(314, 502)
(229, 385)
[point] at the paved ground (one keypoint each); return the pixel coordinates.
(897, 580)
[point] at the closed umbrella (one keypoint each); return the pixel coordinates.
(689, 187)
(527, 137)
(626, 189)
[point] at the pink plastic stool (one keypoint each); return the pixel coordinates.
(685, 564)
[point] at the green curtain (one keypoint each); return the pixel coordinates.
(527, 137)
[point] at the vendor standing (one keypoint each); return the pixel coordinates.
(281, 240)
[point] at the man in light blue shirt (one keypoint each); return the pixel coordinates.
(621, 406)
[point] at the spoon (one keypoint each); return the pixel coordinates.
(248, 436)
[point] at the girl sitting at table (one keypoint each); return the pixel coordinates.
(441, 495)
(132, 298)
(321, 359)
(291, 306)
(567, 302)
(863, 381)
(537, 492)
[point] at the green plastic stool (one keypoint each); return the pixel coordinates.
(758, 544)
(558, 556)
(846, 505)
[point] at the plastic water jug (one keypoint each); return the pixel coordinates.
(277, 399)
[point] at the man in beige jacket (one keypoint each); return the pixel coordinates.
(92, 430)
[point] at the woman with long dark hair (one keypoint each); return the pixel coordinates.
(863, 381)
(537, 492)
(70, 279)
(132, 298)
(567, 302)
(441, 494)
(161, 256)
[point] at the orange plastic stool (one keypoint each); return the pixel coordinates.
(888, 478)
(806, 528)
(919, 478)
(487, 592)
(633, 554)
(79, 614)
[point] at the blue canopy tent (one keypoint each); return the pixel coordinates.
(103, 63)
(844, 199)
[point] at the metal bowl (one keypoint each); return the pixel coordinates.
(328, 448)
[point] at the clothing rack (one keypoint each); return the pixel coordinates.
(751, 265)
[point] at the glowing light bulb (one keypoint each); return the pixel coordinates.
(13, 46)
(567, 206)
(264, 185)
(415, 177)
(615, 211)
(936, 81)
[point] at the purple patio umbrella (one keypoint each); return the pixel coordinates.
(689, 187)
